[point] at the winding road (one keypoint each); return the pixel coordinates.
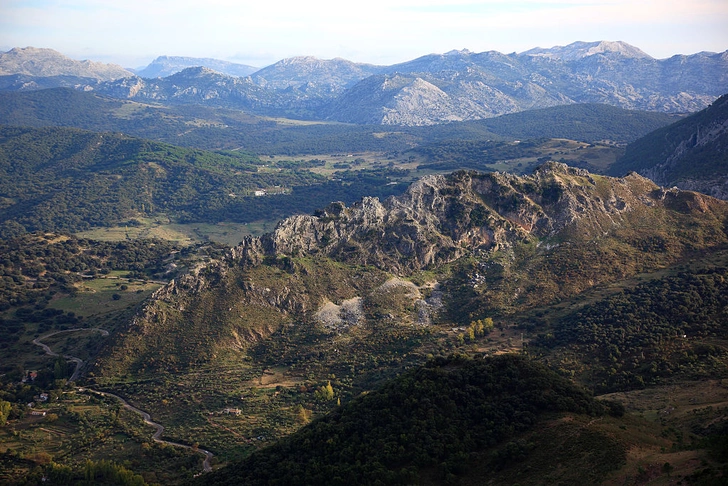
(78, 361)
(206, 466)
(159, 428)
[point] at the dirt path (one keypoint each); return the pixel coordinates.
(159, 428)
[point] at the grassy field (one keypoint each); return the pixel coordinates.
(99, 296)
(185, 234)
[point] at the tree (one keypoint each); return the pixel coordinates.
(325, 392)
(5, 408)
(302, 415)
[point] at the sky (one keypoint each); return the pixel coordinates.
(134, 32)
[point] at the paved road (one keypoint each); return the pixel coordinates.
(159, 428)
(78, 361)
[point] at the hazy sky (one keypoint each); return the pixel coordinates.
(133, 32)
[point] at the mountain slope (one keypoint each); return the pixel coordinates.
(31, 61)
(164, 66)
(515, 243)
(691, 154)
(427, 427)
(459, 85)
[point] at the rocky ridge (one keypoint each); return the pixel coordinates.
(439, 219)
(346, 268)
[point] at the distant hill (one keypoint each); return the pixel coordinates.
(441, 88)
(31, 61)
(214, 128)
(691, 153)
(586, 122)
(433, 425)
(68, 180)
(580, 50)
(164, 66)
(310, 73)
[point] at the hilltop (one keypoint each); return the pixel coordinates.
(449, 421)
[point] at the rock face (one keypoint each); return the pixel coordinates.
(439, 219)
(31, 61)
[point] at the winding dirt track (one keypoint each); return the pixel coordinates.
(159, 428)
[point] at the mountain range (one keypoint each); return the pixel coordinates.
(437, 88)
(451, 329)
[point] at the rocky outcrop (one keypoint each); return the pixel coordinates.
(351, 269)
(441, 218)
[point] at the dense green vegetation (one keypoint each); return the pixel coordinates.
(584, 122)
(33, 264)
(430, 420)
(59, 179)
(642, 336)
(475, 155)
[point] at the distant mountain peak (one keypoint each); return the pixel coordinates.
(164, 66)
(461, 52)
(34, 61)
(580, 50)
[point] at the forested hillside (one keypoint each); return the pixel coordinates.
(427, 427)
(651, 334)
(209, 128)
(63, 179)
